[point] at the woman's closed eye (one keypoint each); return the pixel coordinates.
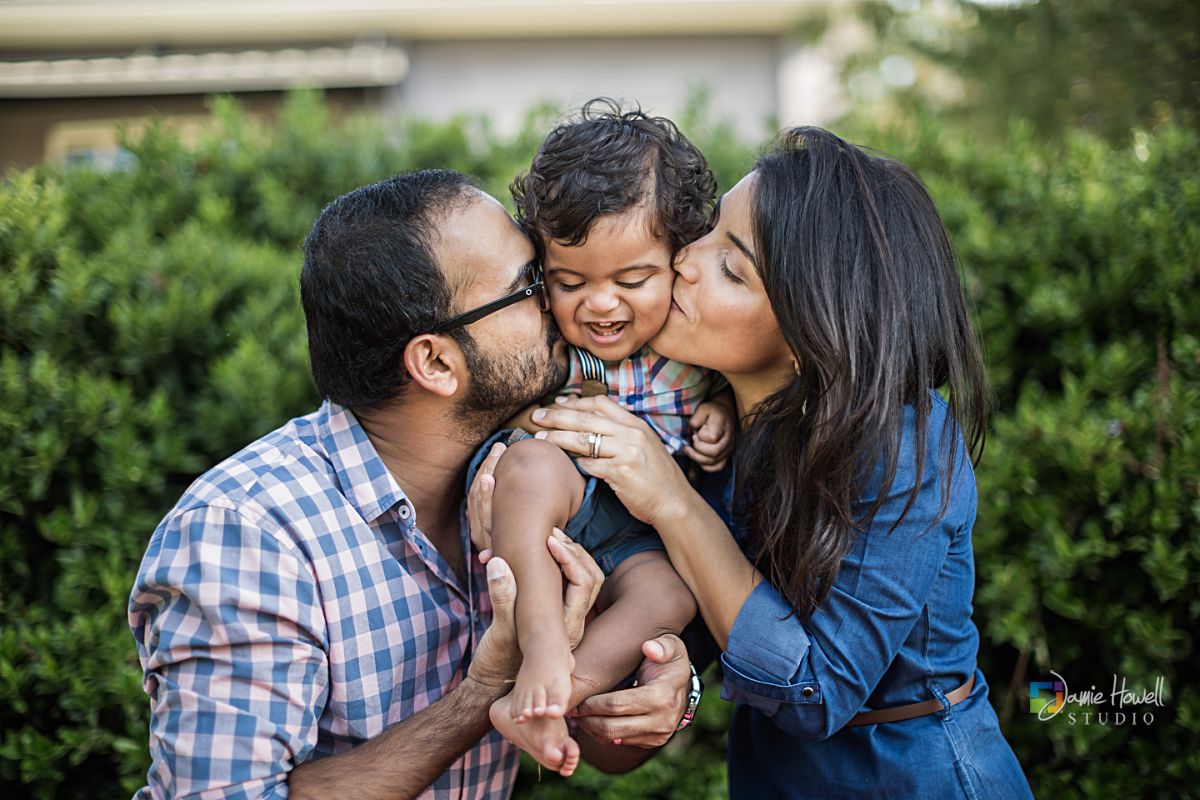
(726, 271)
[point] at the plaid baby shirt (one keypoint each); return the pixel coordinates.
(660, 390)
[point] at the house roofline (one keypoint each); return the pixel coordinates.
(130, 23)
(361, 65)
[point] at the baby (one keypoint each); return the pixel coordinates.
(610, 198)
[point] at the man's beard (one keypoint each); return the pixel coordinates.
(505, 384)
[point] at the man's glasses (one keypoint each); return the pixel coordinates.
(536, 289)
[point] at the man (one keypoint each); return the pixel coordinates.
(310, 619)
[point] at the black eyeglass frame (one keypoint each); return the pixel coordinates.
(535, 289)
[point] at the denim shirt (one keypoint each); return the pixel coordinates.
(895, 629)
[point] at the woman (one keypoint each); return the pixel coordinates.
(828, 295)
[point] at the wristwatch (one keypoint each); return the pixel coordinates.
(693, 699)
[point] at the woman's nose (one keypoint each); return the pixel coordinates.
(685, 264)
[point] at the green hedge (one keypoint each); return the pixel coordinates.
(149, 326)
(1084, 265)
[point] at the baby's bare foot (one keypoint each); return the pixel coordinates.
(547, 739)
(543, 685)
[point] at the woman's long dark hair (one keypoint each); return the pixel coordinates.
(863, 281)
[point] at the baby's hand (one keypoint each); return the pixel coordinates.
(713, 437)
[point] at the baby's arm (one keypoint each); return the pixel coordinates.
(713, 425)
(646, 599)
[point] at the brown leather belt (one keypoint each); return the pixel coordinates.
(913, 709)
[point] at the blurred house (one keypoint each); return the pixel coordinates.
(70, 69)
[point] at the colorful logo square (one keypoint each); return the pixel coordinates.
(1046, 697)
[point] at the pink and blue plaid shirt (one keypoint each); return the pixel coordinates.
(289, 608)
(660, 390)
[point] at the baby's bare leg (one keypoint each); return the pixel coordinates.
(646, 599)
(537, 488)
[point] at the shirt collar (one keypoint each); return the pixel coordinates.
(361, 473)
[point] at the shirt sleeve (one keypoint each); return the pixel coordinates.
(812, 676)
(232, 644)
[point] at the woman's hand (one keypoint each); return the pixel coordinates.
(648, 714)
(632, 459)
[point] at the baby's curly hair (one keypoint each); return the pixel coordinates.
(606, 161)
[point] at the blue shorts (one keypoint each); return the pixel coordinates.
(602, 524)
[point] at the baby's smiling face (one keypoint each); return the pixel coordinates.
(611, 294)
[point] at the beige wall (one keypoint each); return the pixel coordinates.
(505, 78)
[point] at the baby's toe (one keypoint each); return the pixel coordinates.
(570, 758)
(539, 702)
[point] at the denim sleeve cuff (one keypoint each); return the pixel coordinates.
(765, 657)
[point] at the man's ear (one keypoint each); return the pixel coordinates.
(435, 363)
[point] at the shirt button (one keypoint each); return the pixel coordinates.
(405, 512)
(808, 691)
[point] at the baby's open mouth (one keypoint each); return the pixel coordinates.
(605, 332)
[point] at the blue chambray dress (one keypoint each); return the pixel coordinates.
(895, 629)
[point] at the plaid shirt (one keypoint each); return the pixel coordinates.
(289, 608)
(661, 391)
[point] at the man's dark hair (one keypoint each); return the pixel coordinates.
(370, 283)
(606, 161)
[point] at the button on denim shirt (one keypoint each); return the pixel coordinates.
(895, 629)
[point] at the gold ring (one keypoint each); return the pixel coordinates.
(594, 440)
